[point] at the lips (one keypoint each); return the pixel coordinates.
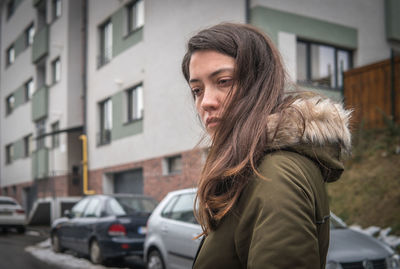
(212, 121)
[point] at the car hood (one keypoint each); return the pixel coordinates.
(347, 245)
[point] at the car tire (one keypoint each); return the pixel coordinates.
(155, 261)
(95, 253)
(55, 243)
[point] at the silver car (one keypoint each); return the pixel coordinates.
(172, 226)
(12, 215)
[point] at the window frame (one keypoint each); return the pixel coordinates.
(29, 35)
(308, 56)
(104, 134)
(169, 165)
(10, 106)
(135, 111)
(56, 70)
(10, 55)
(29, 90)
(105, 43)
(28, 145)
(133, 15)
(56, 6)
(9, 153)
(55, 137)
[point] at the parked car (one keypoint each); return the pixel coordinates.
(104, 226)
(12, 215)
(172, 226)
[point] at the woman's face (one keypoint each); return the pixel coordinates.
(210, 78)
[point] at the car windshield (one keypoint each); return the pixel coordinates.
(132, 205)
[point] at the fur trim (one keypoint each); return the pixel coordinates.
(325, 122)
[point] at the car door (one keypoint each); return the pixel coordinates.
(85, 226)
(179, 229)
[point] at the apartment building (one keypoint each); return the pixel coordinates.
(110, 69)
(41, 91)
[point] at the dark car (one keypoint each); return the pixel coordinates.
(104, 226)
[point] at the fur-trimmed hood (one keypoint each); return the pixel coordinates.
(315, 127)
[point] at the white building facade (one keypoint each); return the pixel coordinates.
(119, 82)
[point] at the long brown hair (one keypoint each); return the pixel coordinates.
(241, 139)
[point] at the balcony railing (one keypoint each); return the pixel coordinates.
(40, 163)
(40, 46)
(104, 137)
(40, 103)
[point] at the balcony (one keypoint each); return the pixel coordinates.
(40, 46)
(40, 163)
(40, 103)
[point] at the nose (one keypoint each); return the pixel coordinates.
(210, 100)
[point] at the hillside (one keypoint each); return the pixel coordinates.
(369, 191)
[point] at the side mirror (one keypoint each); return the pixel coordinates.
(68, 214)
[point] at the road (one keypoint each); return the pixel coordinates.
(13, 254)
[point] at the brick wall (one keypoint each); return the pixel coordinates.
(155, 183)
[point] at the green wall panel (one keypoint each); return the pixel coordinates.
(19, 149)
(40, 104)
(19, 95)
(121, 42)
(19, 44)
(120, 128)
(40, 46)
(40, 163)
(273, 21)
(392, 17)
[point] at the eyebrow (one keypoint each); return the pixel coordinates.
(213, 74)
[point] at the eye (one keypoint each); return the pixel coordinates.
(225, 82)
(196, 91)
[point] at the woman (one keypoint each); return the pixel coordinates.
(261, 197)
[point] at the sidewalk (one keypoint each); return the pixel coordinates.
(42, 230)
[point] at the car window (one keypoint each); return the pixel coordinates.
(114, 208)
(167, 211)
(7, 202)
(77, 210)
(136, 204)
(183, 209)
(93, 208)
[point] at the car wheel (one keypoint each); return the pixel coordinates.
(21, 230)
(55, 243)
(155, 260)
(95, 253)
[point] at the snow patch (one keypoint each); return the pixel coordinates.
(379, 233)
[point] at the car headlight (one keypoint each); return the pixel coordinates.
(333, 265)
(393, 262)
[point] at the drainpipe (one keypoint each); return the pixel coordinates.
(83, 137)
(247, 11)
(392, 88)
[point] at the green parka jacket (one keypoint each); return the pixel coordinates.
(282, 220)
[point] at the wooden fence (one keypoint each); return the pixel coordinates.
(368, 90)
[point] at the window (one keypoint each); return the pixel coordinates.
(40, 131)
(29, 90)
(173, 165)
(93, 209)
(106, 43)
(10, 8)
(10, 55)
(14, 190)
(182, 209)
(77, 210)
(29, 34)
(28, 145)
(56, 69)
(56, 9)
(104, 136)
(9, 153)
(135, 15)
(321, 65)
(10, 104)
(55, 137)
(135, 103)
